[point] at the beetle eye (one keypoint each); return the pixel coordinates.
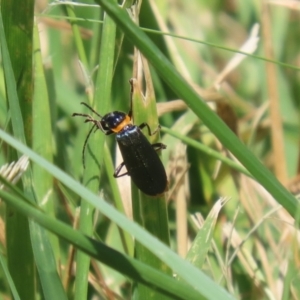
(104, 126)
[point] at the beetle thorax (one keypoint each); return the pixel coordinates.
(115, 121)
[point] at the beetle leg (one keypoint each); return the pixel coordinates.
(118, 169)
(143, 125)
(158, 146)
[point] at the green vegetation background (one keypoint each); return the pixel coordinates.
(247, 247)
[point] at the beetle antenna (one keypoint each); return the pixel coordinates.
(131, 95)
(85, 143)
(83, 103)
(96, 124)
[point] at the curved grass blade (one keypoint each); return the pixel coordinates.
(195, 278)
(200, 108)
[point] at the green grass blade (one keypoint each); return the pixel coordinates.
(202, 243)
(109, 167)
(183, 269)
(9, 278)
(156, 32)
(11, 88)
(43, 183)
(96, 142)
(148, 212)
(206, 150)
(192, 99)
(86, 210)
(46, 264)
(130, 267)
(26, 280)
(17, 228)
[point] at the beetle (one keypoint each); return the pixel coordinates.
(140, 156)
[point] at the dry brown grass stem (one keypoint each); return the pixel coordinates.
(273, 95)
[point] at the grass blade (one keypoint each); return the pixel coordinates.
(183, 269)
(192, 99)
(130, 267)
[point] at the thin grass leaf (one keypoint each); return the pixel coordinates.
(43, 183)
(109, 167)
(202, 242)
(183, 269)
(128, 266)
(92, 172)
(25, 280)
(15, 223)
(9, 278)
(192, 99)
(148, 212)
(203, 148)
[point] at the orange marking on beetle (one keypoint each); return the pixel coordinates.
(125, 122)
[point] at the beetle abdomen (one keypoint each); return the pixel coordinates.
(142, 161)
